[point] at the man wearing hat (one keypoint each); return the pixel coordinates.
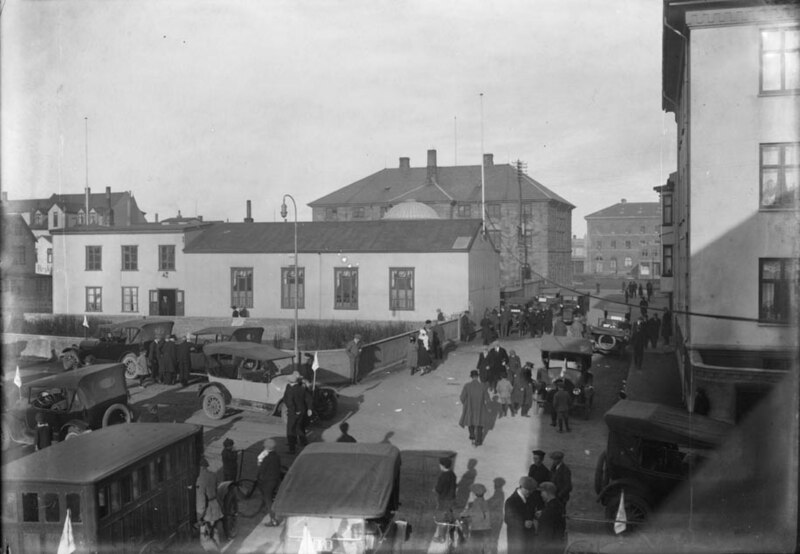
(497, 361)
(519, 514)
(296, 405)
(474, 404)
(269, 477)
(353, 350)
(561, 477)
(230, 461)
(538, 471)
(445, 490)
(477, 515)
(552, 523)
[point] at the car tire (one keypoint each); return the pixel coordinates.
(131, 365)
(601, 477)
(636, 512)
(606, 343)
(113, 413)
(214, 405)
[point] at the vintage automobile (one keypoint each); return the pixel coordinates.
(72, 402)
(611, 335)
(568, 360)
(247, 374)
(212, 335)
(343, 497)
(127, 489)
(117, 342)
(651, 450)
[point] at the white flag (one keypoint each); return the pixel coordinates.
(315, 363)
(67, 543)
(17, 379)
(621, 522)
(85, 322)
(307, 544)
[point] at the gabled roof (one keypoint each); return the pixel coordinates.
(73, 203)
(27, 206)
(13, 221)
(628, 209)
(434, 235)
(459, 183)
(137, 228)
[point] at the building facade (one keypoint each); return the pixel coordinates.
(529, 224)
(578, 255)
(731, 77)
(371, 270)
(625, 240)
(23, 291)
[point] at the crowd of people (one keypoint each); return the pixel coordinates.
(165, 361)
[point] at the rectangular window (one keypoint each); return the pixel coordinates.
(288, 286)
(464, 210)
(19, 255)
(666, 209)
(55, 219)
(358, 212)
(493, 211)
(612, 264)
(81, 217)
(30, 506)
(331, 214)
(93, 217)
(114, 496)
(628, 244)
(780, 170)
(102, 502)
(74, 506)
(613, 244)
(130, 299)
(777, 278)
(126, 489)
(494, 236)
(94, 258)
(645, 253)
(130, 257)
(166, 257)
(780, 60)
(143, 479)
(401, 288)
(345, 285)
(242, 287)
(10, 506)
(52, 507)
(49, 255)
(666, 258)
(94, 299)
(37, 218)
(628, 261)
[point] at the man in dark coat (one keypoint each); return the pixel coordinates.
(474, 404)
(353, 350)
(561, 404)
(153, 358)
(497, 360)
(552, 522)
(538, 471)
(519, 515)
(561, 477)
(269, 477)
(169, 360)
(297, 409)
(184, 360)
(638, 338)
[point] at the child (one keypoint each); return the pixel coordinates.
(504, 389)
(229, 461)
(44, 434)
(477, 513)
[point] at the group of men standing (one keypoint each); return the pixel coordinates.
(165, 360)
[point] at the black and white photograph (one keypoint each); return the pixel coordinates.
(412, 276)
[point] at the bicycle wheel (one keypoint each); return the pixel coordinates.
(248, 497)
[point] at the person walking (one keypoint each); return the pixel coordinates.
(142, 371)
(561, 477)
(269, 477)
(519, 513)
(344, 428)
(353, 349)
(514, 367)
(230, 461)
(561, 404)
(521, 396)
(474, 404)
(437, 336)
(424, 361)
(552, 523)
(483, 366)
(477, 515)
(486, 328)
(649, 288)
(504, 390)
(412, 354)
(497, 360)
(294, 401)
(169, 361)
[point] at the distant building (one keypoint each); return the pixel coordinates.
(23, 291)
(624, 240)
(578, 255)
(731, 210)
(529, 224)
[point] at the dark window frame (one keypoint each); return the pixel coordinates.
(464, 211)
(130, 257)
(493, 211)
(242, 277)
(134, 299)
(782, 199)
(359, 212)
(345, 299)
(166, 257)
(94, 258)
(287, 296)
(331, 214)
(782, 292)
(666, 208)
(783, 52)
(97, 305)
(666, 260)
(401, 298)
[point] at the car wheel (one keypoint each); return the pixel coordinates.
(636, 512)
(606, 343)
(131, 366)
(601, 477)
(214, 405)
(117, 413)
(326, 405)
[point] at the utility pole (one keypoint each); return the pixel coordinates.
(523, 248)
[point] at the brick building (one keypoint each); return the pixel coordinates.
(530, 225)
(625, 240)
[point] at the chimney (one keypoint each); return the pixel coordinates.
(156, 218)
(488, 160)
(405, 163)
(623, 201)
(431, 166)
(248, 219)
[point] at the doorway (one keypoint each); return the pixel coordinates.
(166, 302)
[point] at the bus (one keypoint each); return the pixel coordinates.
(128, 488)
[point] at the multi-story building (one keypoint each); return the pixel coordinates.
(578, 255)
(625, 240)
(530, 225)
(22, 289)
(731, 77)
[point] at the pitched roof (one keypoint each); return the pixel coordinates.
(460, 183)
(70, 203)
(628, 209)
(417, 235)
(26, 206)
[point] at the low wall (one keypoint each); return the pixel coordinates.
(35, 346)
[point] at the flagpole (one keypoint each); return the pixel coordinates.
(483, 177)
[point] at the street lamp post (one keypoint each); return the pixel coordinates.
(284, 213)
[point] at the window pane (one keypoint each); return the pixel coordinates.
(771, 71)
(792, 39)
(74, 506)
(792, 62)
(10, 506)
(52, 508)
(771, 40)
(30, 506)
(771, 269)
(769, 184)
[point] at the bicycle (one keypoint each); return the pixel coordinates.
(450, 534)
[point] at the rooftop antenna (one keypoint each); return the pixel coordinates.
(483, 176)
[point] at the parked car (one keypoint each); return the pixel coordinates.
(72, 402)
(651, 450)
(612, 334)
(117, 342)
(346, 496)
(567, 360)
(247, 374)
(212, 335)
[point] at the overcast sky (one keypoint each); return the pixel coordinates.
(200, 105)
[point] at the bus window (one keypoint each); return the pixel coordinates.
(114, 493)
(74, 506)
(144, 479)
(126, 489)
(102, 502)
(10, 506)
(30, 506)
(168, 464)
(52, 508)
